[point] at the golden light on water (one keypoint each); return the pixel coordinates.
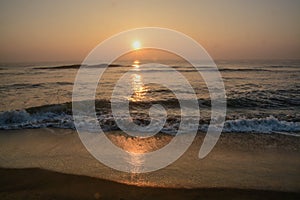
(136, 64)
(136, 147)
(138, 88)
(136, 45)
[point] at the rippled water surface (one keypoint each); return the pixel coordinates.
(264, 94)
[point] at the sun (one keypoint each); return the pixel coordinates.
(136, 45)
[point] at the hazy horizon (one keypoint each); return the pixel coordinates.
(71, 62)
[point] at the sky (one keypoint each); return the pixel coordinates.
(67, 30)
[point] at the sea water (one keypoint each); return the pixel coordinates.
(262, 96)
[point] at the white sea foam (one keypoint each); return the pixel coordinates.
(22, 119)
(261, 125)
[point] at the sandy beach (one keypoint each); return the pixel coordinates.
(43, 184)
(248, 166)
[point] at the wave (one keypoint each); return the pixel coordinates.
(261, 125)
(243, 70)
(249, 101)
(51, 118)
(77, 66)
(23, 119)
(283, 66)
(179, 68)
(268, 102)
(36, 85)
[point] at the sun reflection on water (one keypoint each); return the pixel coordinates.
(139, 90)
(136, 64)
(137, 161)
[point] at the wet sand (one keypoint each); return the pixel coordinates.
(241, 166)
(43, 184)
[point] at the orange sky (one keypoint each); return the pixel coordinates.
(67, 30)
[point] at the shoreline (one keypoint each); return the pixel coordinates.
(34, 183)
(242, 163)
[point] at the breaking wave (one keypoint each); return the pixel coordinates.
(52, 118)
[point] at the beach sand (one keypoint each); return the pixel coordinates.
(42, 184)
(241, 166)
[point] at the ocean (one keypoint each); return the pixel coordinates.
(262, 96)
